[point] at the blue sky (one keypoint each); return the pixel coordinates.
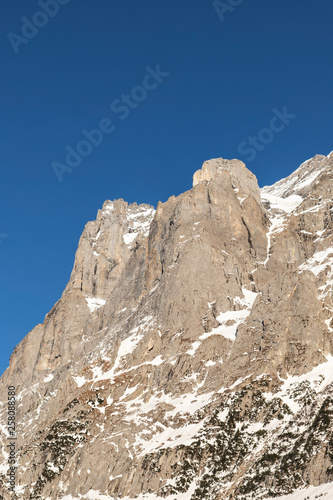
(225, 70)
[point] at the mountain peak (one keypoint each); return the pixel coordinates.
(301, 180)
(191, 354)
(218, 169)
(289, 193)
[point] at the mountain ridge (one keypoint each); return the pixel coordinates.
(188, 343)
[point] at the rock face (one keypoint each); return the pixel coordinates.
(191, 353)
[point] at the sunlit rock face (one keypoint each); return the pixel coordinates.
(190, 355)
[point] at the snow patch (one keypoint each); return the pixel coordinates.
(304, 176)
(95, 495)
(319, 261)
(94, 303)
(80, 381)
(193, 348)
(323, 371)
(230, 320)
(139, 220)
(324, 491)
(170, 438)
(129, 238)
(285, 204)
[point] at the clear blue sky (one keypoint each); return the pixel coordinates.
(225, 78)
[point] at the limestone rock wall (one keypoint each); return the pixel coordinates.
(190, 355)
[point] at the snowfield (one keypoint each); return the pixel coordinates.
(324, 491)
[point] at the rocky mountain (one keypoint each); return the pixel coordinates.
(191, 354)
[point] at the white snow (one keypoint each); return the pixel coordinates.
(324, 491)
(319, 378)
(308, 180)
(319, 261)
(284, 198)
(238, 382)
(327, 321)
(48, 378)
(285, 204)
(157, 361)
(128, 392)
(169, 438)
(109, 207)
(304, 176)
(139, 220)
(324, 370)
(80, 381)
(91, 495)
(95, 238)
(115, 477)
(157, 436)
(53, 468)
(230, 320)
(185, 404)
(314, 209)
(129, 238)
(193, 348)
(95, 495)
(94, 303)
(126, 347)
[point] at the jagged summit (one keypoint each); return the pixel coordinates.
(300, 181)
(106, 244)
(191, 354)
(288, 194)
(218, 169)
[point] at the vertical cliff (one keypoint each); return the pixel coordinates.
(190, 355)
